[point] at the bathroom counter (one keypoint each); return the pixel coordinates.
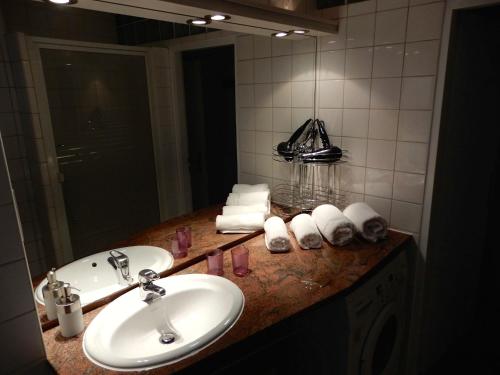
(278, 287)
(204, 238)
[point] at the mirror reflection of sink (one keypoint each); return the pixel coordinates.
(199, 308)
(96, 278)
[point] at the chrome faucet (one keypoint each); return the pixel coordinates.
(149, 291)
(120, 263)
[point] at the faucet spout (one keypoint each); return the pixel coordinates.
(148, 290)
(120, 262)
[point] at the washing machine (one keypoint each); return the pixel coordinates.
(377, 316)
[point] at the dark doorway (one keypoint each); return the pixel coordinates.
(211, 123)
(463, 256)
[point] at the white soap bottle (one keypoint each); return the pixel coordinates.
(69, 312)
(50, 292)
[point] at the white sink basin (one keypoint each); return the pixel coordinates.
(101, 280)
(125, 335)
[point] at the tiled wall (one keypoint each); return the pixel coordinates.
(375, 91)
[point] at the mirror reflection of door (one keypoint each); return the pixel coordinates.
(99, 108)
(211, 123)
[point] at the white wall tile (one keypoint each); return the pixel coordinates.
(421, 58)
(264, 119)
(244, 47)
(357, 93)
(425, 22)
(261, 46)
(383, 124)
(245, 95)
(246, 141)
(282, 119)
(303, 94)
(414, 126)
(244, 70)
(355, 123)
(246, 118)
(381, 154)
(411, 157)
(300, 115)
(381, 206)
(360, 30)
(303, 67)
(305, 45)
(282, 69)
(355, 150)
(280, 47)
(331, 94)
(391, 4)
(388, 60)
(379, 182)
(281, 170)
(362, 7)
(406, 216)
(264, 165)
(247, 163)
(391, 26)
(332, 119)
(264, 143)
(409, 187)
(385, 93)
(334, 41)
(264, 95)
(332, 64)
(417, 93)
(352, 178)
(282, 94)
(359, 62)
(262, 71)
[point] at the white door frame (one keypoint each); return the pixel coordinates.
(176, 47)
(64, 251)
(414, 362)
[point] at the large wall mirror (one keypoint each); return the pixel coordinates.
(129, 122)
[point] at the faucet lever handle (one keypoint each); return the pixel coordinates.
(147, 276)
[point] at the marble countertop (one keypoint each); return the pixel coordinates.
(278, 286)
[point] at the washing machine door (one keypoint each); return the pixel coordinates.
(382, 345)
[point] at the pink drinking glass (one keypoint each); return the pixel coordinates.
(179, 250)
(239, 256)
(215, 262)
(184, 234)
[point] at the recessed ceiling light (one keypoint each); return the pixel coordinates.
(198, 21)
(218, 17)
(61, 2)
(300, 31)
(281, 34)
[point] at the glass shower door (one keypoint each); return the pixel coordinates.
(99, 108)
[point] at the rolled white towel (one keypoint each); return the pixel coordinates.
(333, 225)
(242, 223)
(247, 199)
(245, 188)
(276, 236)
(306, 232)
(236, 210)
(369, 223)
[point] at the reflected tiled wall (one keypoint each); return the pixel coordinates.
(376, 81)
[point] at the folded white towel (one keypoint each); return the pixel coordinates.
(243, 223)
(247, 199)
(276, 236)
(333, 225)
(369, 223)
(244, 188)
(306, 232)
(236, 210)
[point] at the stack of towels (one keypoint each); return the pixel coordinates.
(326, 221)
(246, 209)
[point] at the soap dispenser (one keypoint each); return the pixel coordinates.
(50, 293)
(69, 312)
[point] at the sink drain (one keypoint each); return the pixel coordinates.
(167, 338)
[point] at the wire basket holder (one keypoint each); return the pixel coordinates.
(311, 184)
